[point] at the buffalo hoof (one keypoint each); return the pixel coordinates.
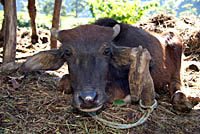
(181, 103)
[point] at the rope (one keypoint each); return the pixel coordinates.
(146, 114)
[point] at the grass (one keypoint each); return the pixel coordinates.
(38, 107)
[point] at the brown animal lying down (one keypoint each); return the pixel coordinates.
(105, 57)
(140, 80)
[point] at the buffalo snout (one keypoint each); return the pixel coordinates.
(89, 100)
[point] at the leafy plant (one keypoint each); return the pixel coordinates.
(24, 6)
(47, 7)
(44, 25)
(121, 10)
(23, 20)
(77, 6)
(119, 103)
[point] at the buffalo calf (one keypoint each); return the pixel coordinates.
(99, 61)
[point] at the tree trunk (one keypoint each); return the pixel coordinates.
(32, 14)
(9, 51)
(56, 21)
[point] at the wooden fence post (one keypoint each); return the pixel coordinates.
(9, 47)
(56, 21)
(32, 13)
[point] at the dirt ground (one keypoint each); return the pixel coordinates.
(30, 103)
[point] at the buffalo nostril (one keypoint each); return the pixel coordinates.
(88, 96)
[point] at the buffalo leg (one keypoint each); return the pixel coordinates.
(32, 14)
(64, 84)
(175, 47)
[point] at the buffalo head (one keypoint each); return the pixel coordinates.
(88, 51)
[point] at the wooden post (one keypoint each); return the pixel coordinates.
(9, 51)
(32, 14)
(56, 21)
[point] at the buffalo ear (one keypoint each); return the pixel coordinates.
(120, 56)
(44, 60)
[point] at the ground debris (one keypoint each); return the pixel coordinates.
(37, 106)
(187, 28)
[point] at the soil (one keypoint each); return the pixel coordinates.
(32, 103)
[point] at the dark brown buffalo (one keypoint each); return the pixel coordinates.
(91, 52)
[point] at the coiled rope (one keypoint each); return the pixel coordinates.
(147, 110)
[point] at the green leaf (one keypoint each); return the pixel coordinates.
(119, 103)
(124, 11)
(6, 121)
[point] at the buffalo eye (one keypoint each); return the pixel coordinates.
(67, 53)
(107, 51)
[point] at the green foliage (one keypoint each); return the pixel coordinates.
(24, 6)
(70, 22)
(23, 20)
(45, 21)
(77, 6)
(119, 103)
(47, 7)
(63, 9)
(121, 10)
(44, 25)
